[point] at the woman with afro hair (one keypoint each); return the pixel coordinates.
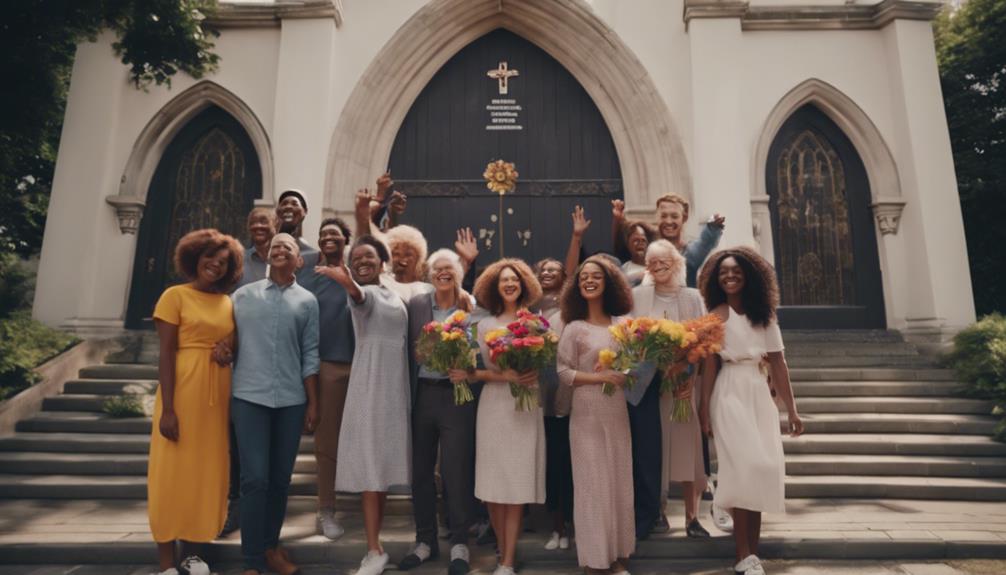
(738, 411)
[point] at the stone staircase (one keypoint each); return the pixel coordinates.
(882, 421)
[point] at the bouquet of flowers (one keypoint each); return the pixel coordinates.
(639, 340)
(523, 345)
(449, 345)
(703, 337)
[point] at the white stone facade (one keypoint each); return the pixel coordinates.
(693, 92)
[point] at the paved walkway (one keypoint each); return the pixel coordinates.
(695, 567)
(115, 532)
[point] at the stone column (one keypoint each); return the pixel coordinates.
(302, 123)
(939, 301)
(720, 162)
(83, 246)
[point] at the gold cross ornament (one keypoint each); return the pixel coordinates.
(502, 74)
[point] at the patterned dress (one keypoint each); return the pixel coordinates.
(601, 446)
(509, 444)
(375, 440)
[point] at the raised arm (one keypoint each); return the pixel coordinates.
(580, 226)
(341, 275)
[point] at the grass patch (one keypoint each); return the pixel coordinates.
(123, 406)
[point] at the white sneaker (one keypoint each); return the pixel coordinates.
(553, 542)
(503, 570)
(328, 526)
(750, 565)
(721, 519)
(195, 566)
(373, 563)
(564, 542)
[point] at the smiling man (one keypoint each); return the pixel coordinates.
(274, 397)
(290, 213)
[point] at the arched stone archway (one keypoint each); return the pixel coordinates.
(161, 130)
(881, 170)
(650, 151)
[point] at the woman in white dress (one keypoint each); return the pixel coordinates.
(375, 439)
(509, 444)
(737, 409)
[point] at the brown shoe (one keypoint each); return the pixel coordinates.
(278, 560)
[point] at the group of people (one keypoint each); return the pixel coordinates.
(264, 344)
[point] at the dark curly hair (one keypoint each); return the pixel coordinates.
(487, 292)
(378, 245)
(616, 300)
(199, 243)
(760, 296)
(339, 223)
(630, 226)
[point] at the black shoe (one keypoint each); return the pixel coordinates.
(661, 525)
(412, 560)
(233, 521)
(458, 567)
(695, 530)
(486, 537)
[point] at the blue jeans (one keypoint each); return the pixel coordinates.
(268, 440)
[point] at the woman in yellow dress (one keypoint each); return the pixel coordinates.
(188, 475)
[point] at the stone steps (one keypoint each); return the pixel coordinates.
(876, 388)
(895, 444)
(938, 423)
(895, 465)
(96, 443)
(934, 405)
(897, 487)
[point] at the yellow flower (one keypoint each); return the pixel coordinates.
(458, 317)
(606, 357)
(495, 334)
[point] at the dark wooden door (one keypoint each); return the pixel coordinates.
(545, 123)
(208, 177)
(825, 244)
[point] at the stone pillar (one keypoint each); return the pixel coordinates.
(940, 300)
(720, 162)
(83, 246)
(302, 122)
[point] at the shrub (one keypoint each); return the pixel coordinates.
(24, 345)
(979, 358)
(124, 406)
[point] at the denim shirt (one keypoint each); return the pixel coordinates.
(277, 343)
(698, 250)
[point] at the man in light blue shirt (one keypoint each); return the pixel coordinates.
(274, 390)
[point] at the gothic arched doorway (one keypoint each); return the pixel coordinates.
(825, 245)
(502, 97)
(208, 177)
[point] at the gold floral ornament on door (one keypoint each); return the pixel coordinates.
(501, 178)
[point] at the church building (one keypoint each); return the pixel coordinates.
(816, 127)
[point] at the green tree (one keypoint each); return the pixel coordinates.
(38, 40)
(971, 49)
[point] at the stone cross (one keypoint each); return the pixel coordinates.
(502, 74)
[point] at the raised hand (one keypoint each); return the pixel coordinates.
(363, 199)
(580, 222)
(384, 183)
(717, 221)
(396, 205)
(618, 210)
(339, 273)
(466, 246)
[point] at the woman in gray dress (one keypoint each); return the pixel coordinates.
(374, 442)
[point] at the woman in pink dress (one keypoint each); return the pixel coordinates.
(599, 437)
